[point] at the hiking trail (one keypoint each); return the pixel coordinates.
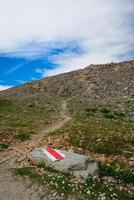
(15, 188)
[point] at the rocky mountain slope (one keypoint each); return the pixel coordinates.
(89, 111)
(96, 84)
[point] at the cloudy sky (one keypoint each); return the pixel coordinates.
(40, 38)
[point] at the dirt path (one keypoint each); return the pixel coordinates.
(14, 188)
(65, 118)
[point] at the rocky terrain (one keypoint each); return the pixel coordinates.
(88, 111)
(109, 83)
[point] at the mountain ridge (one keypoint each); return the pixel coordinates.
(105, 83)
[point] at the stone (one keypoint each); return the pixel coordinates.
(131, 164)
(76, 164)
(102, 159)
(109, 179)
(132, 158)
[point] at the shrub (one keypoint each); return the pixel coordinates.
(23, 136)
(104, 110)
(93, 110)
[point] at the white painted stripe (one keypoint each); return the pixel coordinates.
(50, 156)
(63, 155)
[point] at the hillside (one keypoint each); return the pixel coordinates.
(110, 83)
(88, 111)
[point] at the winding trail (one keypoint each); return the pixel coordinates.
(65, 118)
(15, 188)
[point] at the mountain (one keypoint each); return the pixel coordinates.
(89, 111)
(96, 84)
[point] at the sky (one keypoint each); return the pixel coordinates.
(41, 38)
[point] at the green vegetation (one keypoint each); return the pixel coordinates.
(112, 114)
(25, 118)
(23, 136)
(105, 110)
(104, 131)
(91, 111)
(64, 184)
(101, 135)
(107, 113)
(3, 146)
(102, 123)
(110, 147)
(113, 169)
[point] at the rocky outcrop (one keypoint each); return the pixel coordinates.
(76, 164)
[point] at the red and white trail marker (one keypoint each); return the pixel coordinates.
(53, 154)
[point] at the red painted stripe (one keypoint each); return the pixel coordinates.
(54, 153)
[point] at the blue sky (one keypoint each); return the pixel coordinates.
(40, 38)
(20, 69)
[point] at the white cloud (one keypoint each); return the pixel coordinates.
(4, 87)
(17, 67)
(20, 81)
(102, 29)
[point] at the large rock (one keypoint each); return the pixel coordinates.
(76, 164)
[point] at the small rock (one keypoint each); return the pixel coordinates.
(54, 194)
(101, 159)
(131, 164)
(109, 179)
(132, 158)
(77, 180)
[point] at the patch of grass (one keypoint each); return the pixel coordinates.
(26, 172)
(63, 183)
(105, 110)
(112, 114)
(93, 110)
(52, 178)
(102, 191)
(5, 103)
(107, 113)
(23, 136)
(48, 168)
(98, 135)
(119, 114)
(90, 111)
(113, 169)
(111, 147)
(24, 116)
(3, 146)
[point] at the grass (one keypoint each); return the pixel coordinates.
(101, 135)
(91, 111)
(112, 114)
(113, 169)
(3, 146)
(107, 113)
(63, 183)
(99, 130)
(23, 136)
(22, 118)
(110, 147)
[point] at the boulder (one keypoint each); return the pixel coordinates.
(76, 164)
